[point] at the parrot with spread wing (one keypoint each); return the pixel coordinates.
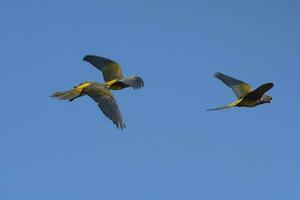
(101, 92)
(246, 96)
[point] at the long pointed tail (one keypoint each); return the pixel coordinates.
(220, 108)
(67, 95)
(233, 104)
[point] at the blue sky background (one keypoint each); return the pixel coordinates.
(172, 147)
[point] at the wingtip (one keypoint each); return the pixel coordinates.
(86, 57)
(217, 74)
(120, 125)
(142, 82)
(211, 109)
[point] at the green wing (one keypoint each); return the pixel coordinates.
(106, 102)
(110, 69)
(259, 92)
(240, 88)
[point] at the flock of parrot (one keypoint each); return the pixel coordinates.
(114, 80)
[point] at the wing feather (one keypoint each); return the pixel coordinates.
(135, 82)
(110, 69)
(240, 88)
(106, 102)
(259, 92)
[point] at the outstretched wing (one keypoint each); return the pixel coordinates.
(231, 105)
(110, 69)
(259, 92)
(240, 88)
(106, 102)
(135, 82)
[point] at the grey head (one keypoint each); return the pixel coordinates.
(265, 99)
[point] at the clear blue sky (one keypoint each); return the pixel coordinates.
(172, 147)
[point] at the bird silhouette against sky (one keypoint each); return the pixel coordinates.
(247, 97)
(101, 92)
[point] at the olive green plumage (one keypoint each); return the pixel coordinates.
(106, 102)
(101, 92)
(247, 97)
(112, 73)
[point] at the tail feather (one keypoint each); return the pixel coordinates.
(220, 108)
(233, 104)
(67, 95)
